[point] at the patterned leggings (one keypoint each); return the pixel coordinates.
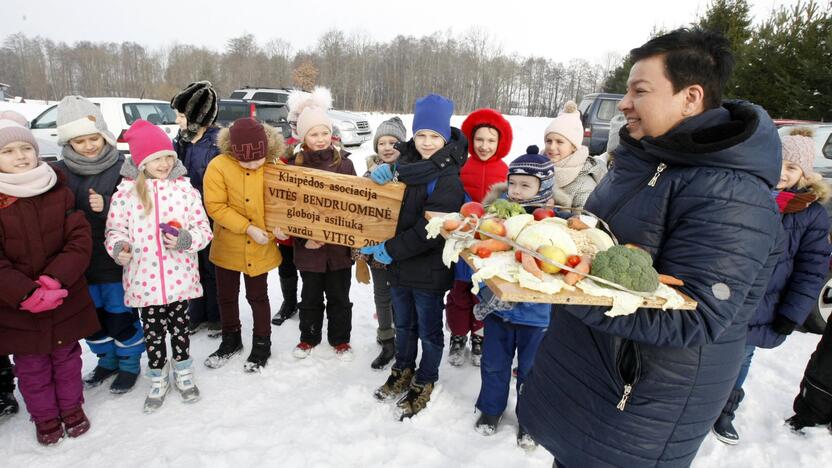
(156, 321)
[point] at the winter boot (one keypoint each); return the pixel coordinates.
(344, 352)
(396, 384)
(486, 424)
(456, 353)
(524, 440)
(214, 329)
(261, 350)
(75, 422)
(303, 350)
(476, 349)
(230, 346)
(183, 372)
(49, 432)
(289, 308)
(159, 386)
(8, 403)
(723, 428)
(388, 352)
(106, 368)
(416, 399)
(128, 373)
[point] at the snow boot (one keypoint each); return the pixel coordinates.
(416, 399)
(75, 422)
(183, 372)
(476, 349)
(128, 373)
(388, 352)
(524, 440)
(302, 350)
(261, 350)
(214, 329)
(396, 384)
(486, 424)
(230, 346)
(159, 386)
(106, 368)
(344, 352)
(456, 353)
(723, 428)
(8, 403)
(289, 287)
(49, 432)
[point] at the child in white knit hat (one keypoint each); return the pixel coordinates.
(576, 172)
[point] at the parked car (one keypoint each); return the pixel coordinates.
(270, 113)
(48, 150)
(353, 129)
(597, 110)
(119, 113)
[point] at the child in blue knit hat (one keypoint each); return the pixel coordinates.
(429, 164)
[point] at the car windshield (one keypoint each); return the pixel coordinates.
(279, 98)
(271, 114)
(238, 95)
(157, 113)
(231, 111)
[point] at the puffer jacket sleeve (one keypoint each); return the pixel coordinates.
(719, 267)
(15, 283)
(198, 226)
(71, 263)
(118, 221)
(216, 201)
(447, 197)
(811, 264)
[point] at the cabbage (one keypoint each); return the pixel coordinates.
(541, 233)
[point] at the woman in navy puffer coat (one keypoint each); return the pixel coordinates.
(643, 390)
(801, 269)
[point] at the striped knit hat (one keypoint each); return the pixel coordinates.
(539, 166)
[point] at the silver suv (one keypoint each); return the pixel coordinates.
(352, 128)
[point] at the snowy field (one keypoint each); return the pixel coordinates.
(320, 412)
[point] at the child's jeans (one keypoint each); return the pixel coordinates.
(50, 383)
(418, 317)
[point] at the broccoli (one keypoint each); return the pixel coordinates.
(629, 267)
(504, 208)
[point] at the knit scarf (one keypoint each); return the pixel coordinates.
(568, 168)
(85, 166)
(793, 202)
(28, 184)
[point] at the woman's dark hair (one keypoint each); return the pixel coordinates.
(692, 56)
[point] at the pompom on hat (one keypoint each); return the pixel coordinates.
(568, 124)
(309, 109)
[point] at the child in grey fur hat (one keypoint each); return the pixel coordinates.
(389, 133)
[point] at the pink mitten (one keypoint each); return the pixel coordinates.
(48, 282)
(44, 299)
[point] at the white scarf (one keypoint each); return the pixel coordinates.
(568, 168)
(30, 183)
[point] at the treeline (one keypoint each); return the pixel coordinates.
(363, 74)
(784, 63)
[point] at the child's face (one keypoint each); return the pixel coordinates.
(18, 157)
(160, 168)
(253, 165)
(522, 187)
(790, 175)
(181, 120)
(387, 150)
(485, 142)
(88, 146)
(428, 143)
(318, 138)
(558, 147)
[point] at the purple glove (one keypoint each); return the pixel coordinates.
(44, 299)
(168, 229)
(48, 282)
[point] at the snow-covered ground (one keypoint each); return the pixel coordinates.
(320, 412)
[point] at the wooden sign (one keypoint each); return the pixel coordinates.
(330, 208)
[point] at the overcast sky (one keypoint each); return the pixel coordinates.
(589, 29)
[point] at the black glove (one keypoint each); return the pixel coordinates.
(783, 325)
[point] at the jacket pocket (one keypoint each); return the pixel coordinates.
(628, 369)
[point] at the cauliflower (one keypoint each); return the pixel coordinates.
(629, 267)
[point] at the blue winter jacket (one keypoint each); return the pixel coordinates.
(196, 156)
(643, 390)
(798, 276)
(531, 314)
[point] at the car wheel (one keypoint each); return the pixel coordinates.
(816, 321)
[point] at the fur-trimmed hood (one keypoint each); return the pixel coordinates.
(500, 190)
(277, 146)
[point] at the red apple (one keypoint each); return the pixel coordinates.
(472, 209)
(543, 213)
(491, 225)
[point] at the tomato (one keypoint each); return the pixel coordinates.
(482, 252)
(573, 260)
(518, 256)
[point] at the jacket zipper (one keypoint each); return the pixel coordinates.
(659, 170)
(628, 388)
(159, 251)
(627, 391)
(650, 181)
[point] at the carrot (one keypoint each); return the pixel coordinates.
(530, 265)
(491, 244)
(583, 268)
(670, 280)
(576, 223)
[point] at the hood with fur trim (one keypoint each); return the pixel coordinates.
(277, 147)
(488, 118)
(500, 190)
